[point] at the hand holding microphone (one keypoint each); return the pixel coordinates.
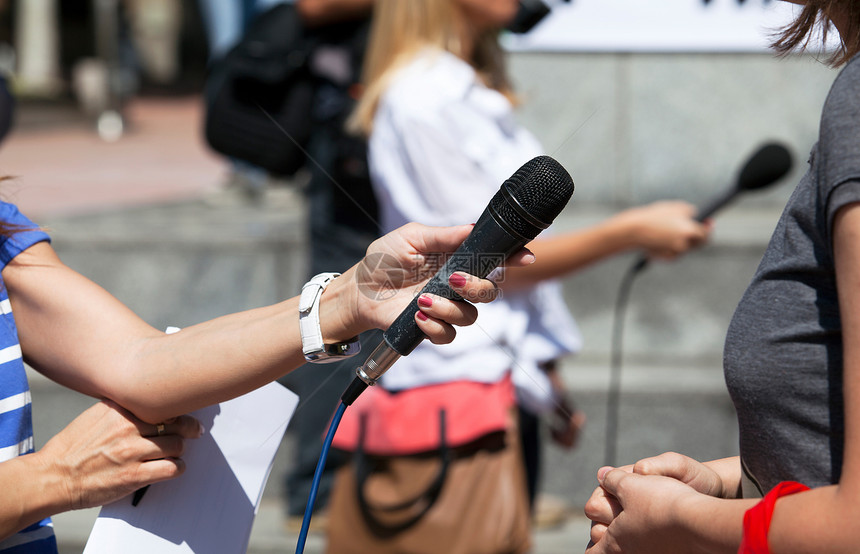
(525, 205)
(766, 166)
(662, 230)
(395, 269)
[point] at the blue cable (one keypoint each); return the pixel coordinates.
(315, 485)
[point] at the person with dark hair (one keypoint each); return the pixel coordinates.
(792, 366)
(75, 333)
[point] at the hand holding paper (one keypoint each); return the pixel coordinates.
(211, 507)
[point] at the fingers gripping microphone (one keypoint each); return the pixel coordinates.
(768, 165)
(525, 205)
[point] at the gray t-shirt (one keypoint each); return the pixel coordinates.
(783, 351)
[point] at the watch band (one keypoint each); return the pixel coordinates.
(313, 347)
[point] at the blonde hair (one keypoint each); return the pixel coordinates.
(402, 28)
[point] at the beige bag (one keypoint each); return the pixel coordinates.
(469, 499)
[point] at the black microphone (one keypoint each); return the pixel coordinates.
(529, 14)
(766, 166)
(525, 205)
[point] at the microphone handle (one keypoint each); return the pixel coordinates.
(486, 247)
(718, 203)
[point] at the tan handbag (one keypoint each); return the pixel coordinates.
(469, 499)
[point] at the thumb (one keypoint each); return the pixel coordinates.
(611, 479)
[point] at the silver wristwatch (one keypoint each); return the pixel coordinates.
(313, 347)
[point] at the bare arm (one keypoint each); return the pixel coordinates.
(661, 230)
(77, 334)
(824, 520)
(323, 12)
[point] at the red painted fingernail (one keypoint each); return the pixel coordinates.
(425, 301)
(422, 316)
(457, 280)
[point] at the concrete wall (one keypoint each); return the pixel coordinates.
(632, 128)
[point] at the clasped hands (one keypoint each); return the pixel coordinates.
(638, 508)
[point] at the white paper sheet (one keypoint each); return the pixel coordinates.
(211, 507)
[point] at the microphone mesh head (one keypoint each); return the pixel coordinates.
(768, 165)
(541, 188)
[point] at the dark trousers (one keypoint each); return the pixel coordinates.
(531, 445)
(319, 387)
(342, 224)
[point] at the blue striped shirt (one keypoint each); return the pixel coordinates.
(16, 424)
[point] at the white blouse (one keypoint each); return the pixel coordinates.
(442, 145)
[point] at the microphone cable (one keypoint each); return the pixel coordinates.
(613, 397)
(352, 392)
(315, 485)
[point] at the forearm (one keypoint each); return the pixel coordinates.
(559, 255)
(86, 339)
(729, 471)
(168, 375)
(712, 525)
(222, 358)
(32, 491)
(322, 12)
(819, 520)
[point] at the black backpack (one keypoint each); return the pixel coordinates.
(259, 96)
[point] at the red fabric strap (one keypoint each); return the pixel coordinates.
(757, 519)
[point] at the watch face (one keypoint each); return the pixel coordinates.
(322, 358)
(334, 352)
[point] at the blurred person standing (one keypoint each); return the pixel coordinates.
(438, 110)
(342, 222)
(329, 38)
(226, 22)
